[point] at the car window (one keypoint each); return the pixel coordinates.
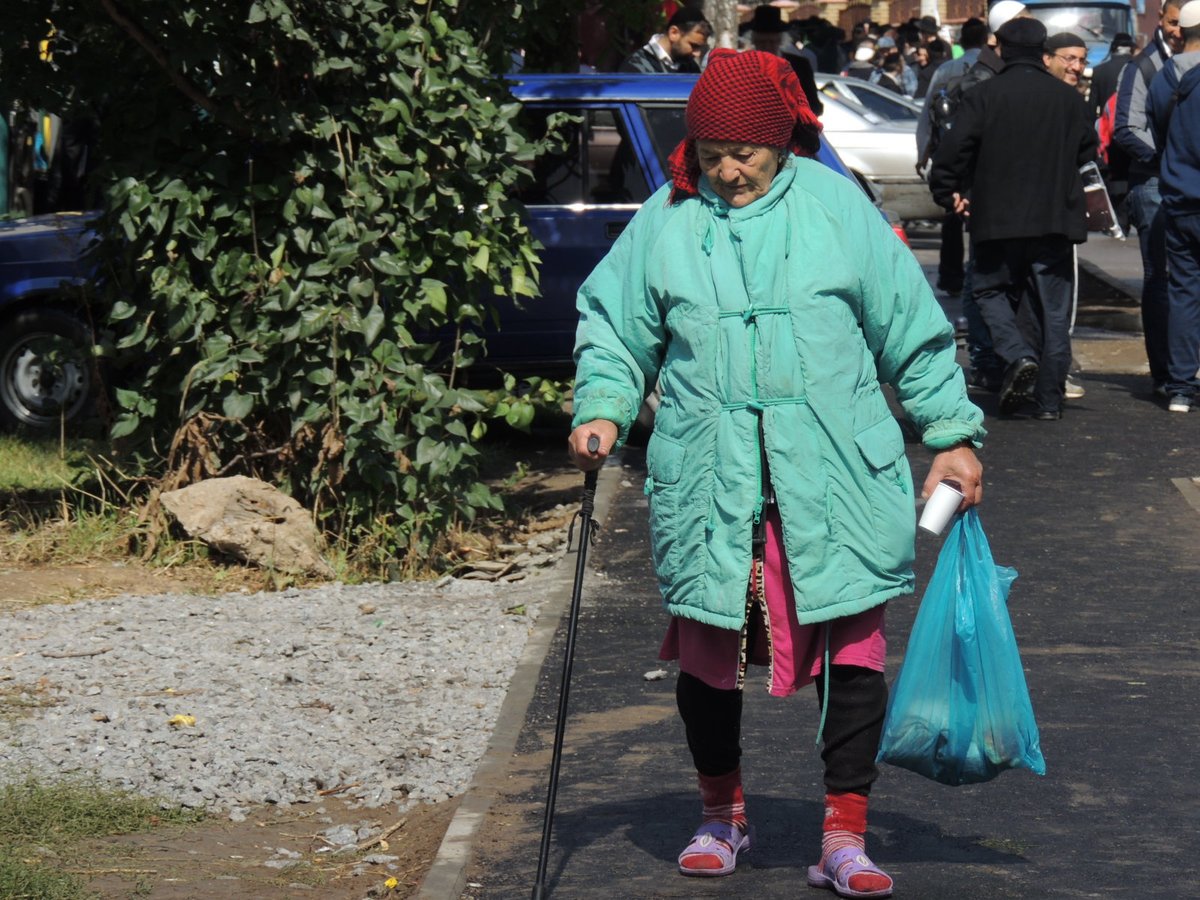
(882, 105)
(667, 128)
(597, 164)
(845, 115)
(1093, 23)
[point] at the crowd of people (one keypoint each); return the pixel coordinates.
(1018, 327)
(900, 57)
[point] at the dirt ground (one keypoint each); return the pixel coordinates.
(275, 852)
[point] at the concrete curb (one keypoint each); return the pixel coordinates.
(446, 878)
(1116, 284)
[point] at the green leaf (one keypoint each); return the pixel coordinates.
(373, 324)
(237, 406)
(125, 426)
(435, 294)
(390, 265)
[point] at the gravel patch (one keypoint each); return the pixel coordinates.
(380, 694)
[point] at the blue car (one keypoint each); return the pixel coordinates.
(582, 198)
(46, 367)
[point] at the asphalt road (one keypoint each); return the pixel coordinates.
(1100, 515)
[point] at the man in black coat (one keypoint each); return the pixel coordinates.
(1017, 143)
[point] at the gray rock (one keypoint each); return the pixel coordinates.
(251, 521)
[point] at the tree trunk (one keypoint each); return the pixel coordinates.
(723, 16)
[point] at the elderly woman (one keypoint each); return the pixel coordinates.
(770, 299)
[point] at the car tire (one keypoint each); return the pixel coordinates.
(47, 379)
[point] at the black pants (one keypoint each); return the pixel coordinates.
(853, 726)
(950, 255)
(1024, 288)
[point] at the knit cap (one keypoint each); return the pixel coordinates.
(747, 98)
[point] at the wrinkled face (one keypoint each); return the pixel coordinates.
(686, 45)
(1066, 64)
(738, 173)
(1172, 33)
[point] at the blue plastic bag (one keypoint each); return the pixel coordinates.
(959, 711)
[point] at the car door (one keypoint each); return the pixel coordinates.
(579, 201)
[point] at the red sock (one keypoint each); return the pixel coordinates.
(723, 802)
(723, 798)
(846, 826)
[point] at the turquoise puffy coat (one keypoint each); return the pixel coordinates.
(794, 308)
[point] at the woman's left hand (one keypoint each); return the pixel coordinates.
(958, 464)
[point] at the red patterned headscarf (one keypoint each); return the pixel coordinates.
(750, 98)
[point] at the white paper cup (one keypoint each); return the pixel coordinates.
(940, 508)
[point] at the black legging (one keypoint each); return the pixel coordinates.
(853, 725)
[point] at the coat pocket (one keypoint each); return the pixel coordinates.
(880, 444)
(664, 459)
(888, 490)
(676, 525)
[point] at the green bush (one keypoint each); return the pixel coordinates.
(296, 195)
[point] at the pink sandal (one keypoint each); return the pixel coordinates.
(718, 839)
(835, 873)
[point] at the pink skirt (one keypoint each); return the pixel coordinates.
(793, 652)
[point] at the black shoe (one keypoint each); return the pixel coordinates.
(1047, 415)
(949, 286)
(989, 381)
(1019, 379)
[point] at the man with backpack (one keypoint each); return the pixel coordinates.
(1011, 162)
(1173, 111)
(940, 99)
(1132, 136)
(1107, 73)
(952, 79)
(1102, 101)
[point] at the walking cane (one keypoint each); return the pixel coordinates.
(585, 536)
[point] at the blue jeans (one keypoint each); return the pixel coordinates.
(1183, 330)
(1146, 215)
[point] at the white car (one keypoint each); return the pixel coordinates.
(874, 132)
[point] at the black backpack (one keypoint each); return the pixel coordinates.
(944, 103)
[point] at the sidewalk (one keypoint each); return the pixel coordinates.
(1099, 513)
(1117, 262)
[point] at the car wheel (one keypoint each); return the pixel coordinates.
(45, 370)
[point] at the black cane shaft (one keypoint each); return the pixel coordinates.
(585, 535)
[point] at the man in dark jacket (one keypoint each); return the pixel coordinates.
(1173, 110)
(678, 49)
(1131, 132)
(1017, 143)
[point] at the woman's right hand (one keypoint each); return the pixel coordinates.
(577, 444)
